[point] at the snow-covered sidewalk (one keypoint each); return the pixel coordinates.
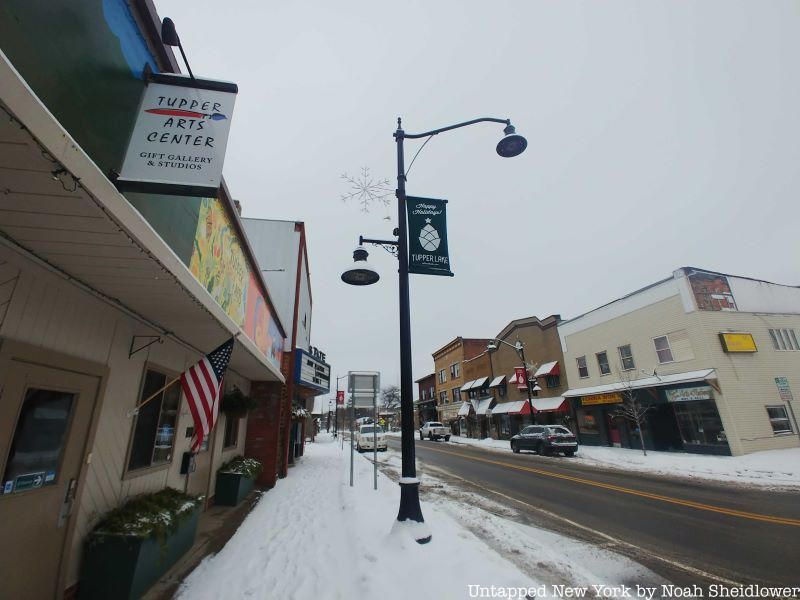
(771, 469)
(314, 537)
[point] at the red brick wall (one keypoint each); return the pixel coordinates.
(263, 422)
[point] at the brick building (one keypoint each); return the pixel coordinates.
(448, 366)
(545, 368)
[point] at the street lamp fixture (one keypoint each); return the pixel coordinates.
(169, 37)
(493, 345)
(361, 273)
(510, 145)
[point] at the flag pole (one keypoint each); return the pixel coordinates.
(135, 411)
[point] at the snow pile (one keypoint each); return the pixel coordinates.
(314, 537)
(770, 468)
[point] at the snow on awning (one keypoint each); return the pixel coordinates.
(479, 383)
(557, 404)
(467, 385)
(645, 382)
(550, 368)
(483, 406)
(497, 381)
(519, 407)
(464, 410)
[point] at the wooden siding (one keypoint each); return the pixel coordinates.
(9, 275)
(46, 311)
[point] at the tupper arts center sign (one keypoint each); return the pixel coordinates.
(180, 136)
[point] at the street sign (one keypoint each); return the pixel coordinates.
(364, 387)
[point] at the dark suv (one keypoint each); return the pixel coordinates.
(545, 439)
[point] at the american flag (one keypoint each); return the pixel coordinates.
(201, 383)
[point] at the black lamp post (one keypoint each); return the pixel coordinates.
(510, 145)
(492, 346)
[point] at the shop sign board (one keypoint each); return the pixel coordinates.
(608, 398)
(427, 236)
(734, 342)
(180, 136)
(689, 394)
(784, 390)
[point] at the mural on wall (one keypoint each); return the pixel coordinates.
(259, 324)
(218, 261)
(220, 265)
(712, 291)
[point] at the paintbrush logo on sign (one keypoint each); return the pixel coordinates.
(174, 112)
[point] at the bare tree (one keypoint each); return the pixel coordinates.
(390, 397)
(390, 402)
(632, 409)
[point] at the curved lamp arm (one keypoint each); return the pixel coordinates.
(411, 136)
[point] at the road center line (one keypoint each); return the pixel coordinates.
(611, 542)
(616, 488)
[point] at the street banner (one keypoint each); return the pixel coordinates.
(340, 398)
(427, 236)
(179, 138)
(521, 376)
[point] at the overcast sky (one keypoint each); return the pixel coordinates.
(660, 135)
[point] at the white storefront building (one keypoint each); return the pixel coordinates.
(715, 358)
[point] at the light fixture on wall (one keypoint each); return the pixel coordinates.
(169, 36)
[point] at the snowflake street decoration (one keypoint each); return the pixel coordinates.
(367, 191)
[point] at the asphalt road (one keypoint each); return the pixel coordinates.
(688, 531)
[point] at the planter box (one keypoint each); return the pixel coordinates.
(231, 488)
(125, 566)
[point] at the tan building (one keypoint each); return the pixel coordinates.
(539, 341)
(449, 376)
(714, 357)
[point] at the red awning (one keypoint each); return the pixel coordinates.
(518, 407)
(557, 404)
(550, 368)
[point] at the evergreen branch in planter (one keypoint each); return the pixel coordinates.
(239, 465)
(150, 515)
(236, 403)
(299, 412)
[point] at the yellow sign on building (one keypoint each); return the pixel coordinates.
(738, 342)
(608, 398)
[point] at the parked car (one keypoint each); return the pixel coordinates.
(545, 440)
(433, 430)
(367, 434)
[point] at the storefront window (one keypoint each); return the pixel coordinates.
(505, 424)
(699, 423)
(587, 423)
